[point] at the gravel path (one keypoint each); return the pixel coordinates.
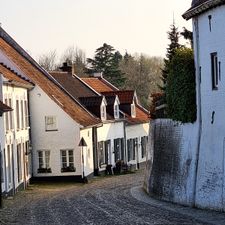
(109, 200)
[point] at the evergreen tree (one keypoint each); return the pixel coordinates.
(107, 61)
(173, 36)
(188, 35)
(180, 91)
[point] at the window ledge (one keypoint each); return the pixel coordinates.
(44, 170)
(68, 169)
(51, 130)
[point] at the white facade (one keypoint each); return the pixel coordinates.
(138, 133)
(189, 160)
(110, 132)
(15, 150)
(65, 136)
(209, 39)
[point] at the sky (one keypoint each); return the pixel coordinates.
(135, 26)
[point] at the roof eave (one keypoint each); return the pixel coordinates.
(192, 12)
(19, 84)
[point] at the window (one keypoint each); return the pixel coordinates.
(10, 115)
(210, 22)
(50, 123)
(67, 161)
(119, 149)
(26, 114)
(144, 141)
(17, 115)
(9, 165)
(133, 110)
(132, 145)
(116, 111)
(103, 152)
(28, 158)
(214, 70)
(1, 168)
(44, 161)
(103, 112)
(7, 117)
(19, 162)
(22, 114)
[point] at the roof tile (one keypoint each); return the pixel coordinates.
(11, 75)
(73, 109)
(98, 84)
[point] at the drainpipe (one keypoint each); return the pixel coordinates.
(125, 142)
(0, 177)
(199, 110)
(1, 149)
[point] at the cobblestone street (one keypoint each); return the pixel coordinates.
(109, 200)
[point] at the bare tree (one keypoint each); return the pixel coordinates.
(76, 57)
(48, 60)
(143, 74)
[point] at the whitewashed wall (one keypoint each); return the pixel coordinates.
(137, 131)
(2, 136)
(2, 141)
(88, 151)
(13, 137)
(67, 136)
(171, 161)
(110, 131)
(210, 182)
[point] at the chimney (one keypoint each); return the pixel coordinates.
(66, 67)
(73, 68)
(97, 74)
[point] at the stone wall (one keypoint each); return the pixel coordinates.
(171, 161)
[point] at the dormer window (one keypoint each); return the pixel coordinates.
(116, 111)
(133, 110)
(103, 112)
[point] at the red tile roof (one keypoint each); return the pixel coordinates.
(125, 97)
(13, 76)
(99, 84)
(141, 116)
(40, 77)
(73, 84)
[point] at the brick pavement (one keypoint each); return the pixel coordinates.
(109, 200)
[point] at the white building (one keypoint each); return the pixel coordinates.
(124, 130)
(127, 137)
(57, 120)
(209, 48)
(3, 109)
(186, 161)
(16, 155)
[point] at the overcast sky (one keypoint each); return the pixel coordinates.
(133, 25)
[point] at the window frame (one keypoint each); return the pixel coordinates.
(214, 70)
(133, 110)
(46, 159)
(103, 112)
(54, 124)
(103, 153)
(116, 111)
(19, 163)
(144, 142)
(68, 167)
(17, 114)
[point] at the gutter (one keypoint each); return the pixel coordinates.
(194, 11)
(199, 113)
